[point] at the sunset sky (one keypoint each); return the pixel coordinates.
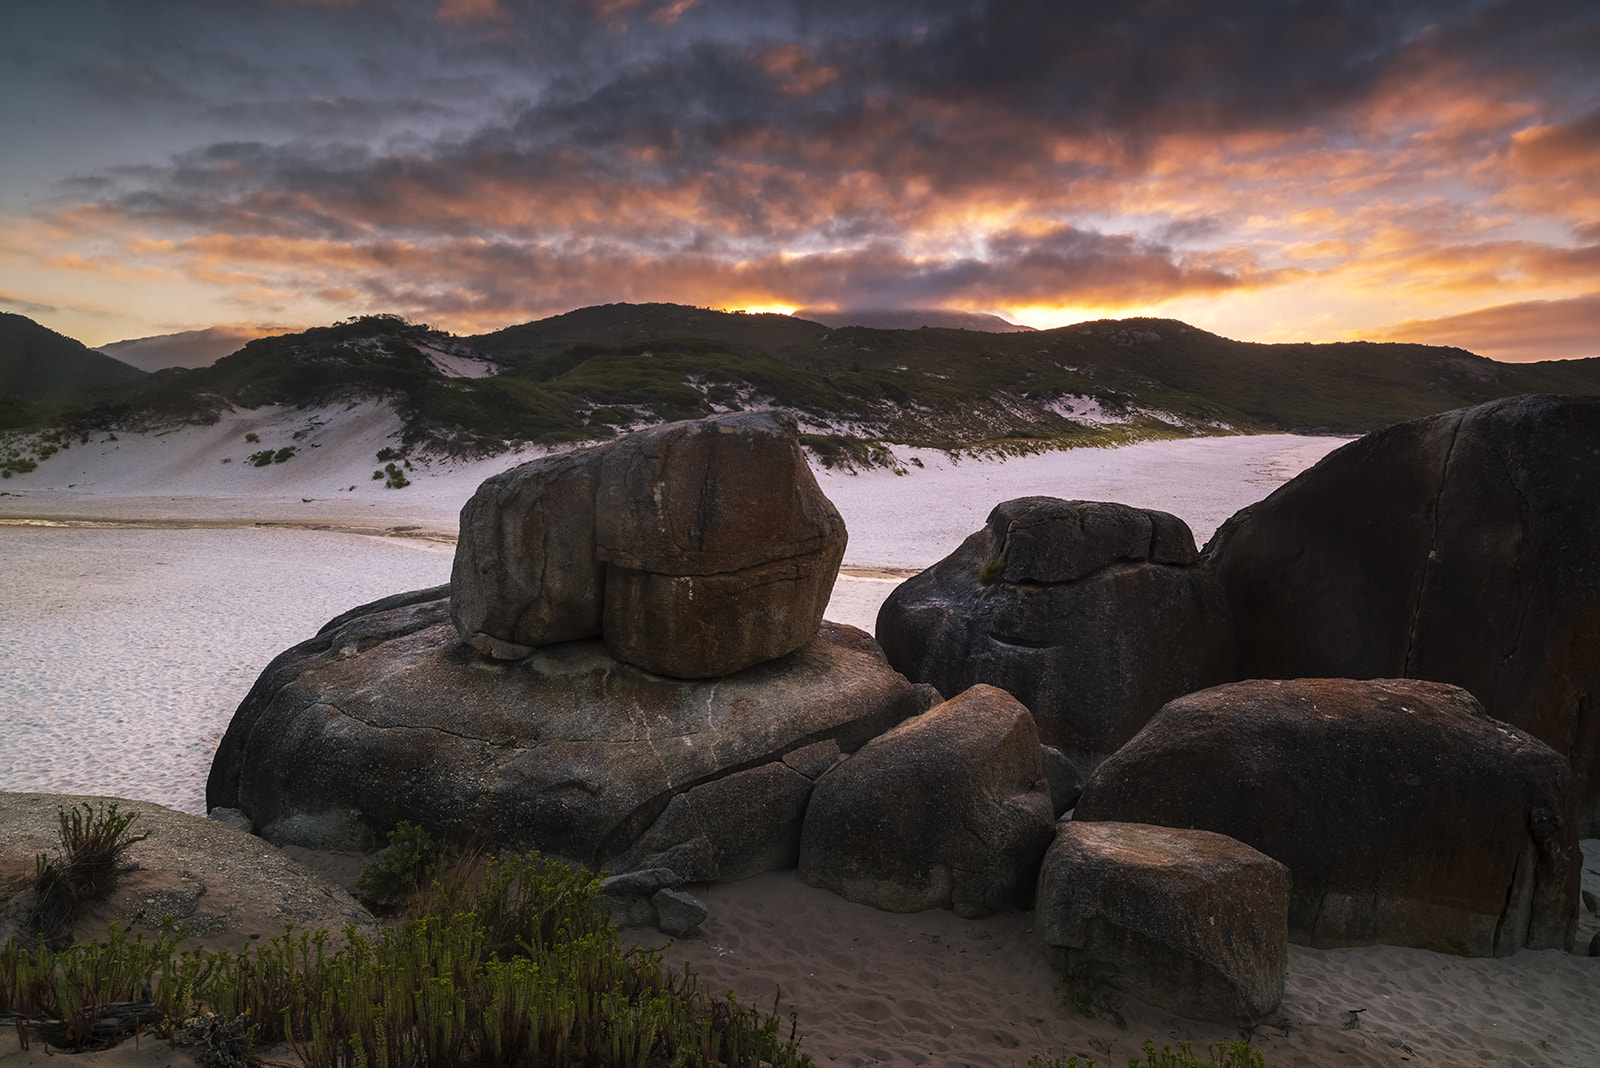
(1266, 169)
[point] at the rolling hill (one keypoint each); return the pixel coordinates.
(42, 371)
(596, 372)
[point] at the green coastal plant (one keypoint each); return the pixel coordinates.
(400, 869)
(267, 457)
(502, 962)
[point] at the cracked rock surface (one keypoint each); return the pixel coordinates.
(1462, 548)
(1405, 815)
(386, 715)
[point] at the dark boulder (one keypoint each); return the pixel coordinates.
(387, 716)
(1092, 614)
(1462, 548)
(1191, 921)
(1404, 814)
(694, 549)
(948, 810)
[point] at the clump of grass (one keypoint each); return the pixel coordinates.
(396, 478)
(87, 866)
(266, 457)
(992, 571)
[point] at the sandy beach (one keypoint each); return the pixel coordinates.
(148, 583)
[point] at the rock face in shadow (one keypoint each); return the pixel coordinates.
(947, 810)
(1092, 614)
(386, 715)
(229, 888)
(1462, 548)
(1404, 814)
(1191, 921)
(694, 549)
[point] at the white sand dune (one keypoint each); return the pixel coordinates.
(148, 583)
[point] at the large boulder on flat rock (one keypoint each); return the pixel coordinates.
(229, 888)
(387, 716)
(1462, 548)
(1405, 815)
(1191, 921)
(1092, 614)
(694, 549)
(948, 810)
(525, 571)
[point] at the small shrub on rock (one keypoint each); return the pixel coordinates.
(400, 869)
(89, 861)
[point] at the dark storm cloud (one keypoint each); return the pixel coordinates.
(959, 96)
(811, 152)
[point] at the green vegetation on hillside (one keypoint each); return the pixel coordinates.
(596, 372)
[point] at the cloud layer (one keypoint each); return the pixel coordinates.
(1267, 169)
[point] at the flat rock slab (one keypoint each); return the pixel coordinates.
(229, 888)
(1405, 815)
(386, 716)
(1192, 921)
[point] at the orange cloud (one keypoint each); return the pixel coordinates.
(671, 13)
(1523, 331)
(793, 69)
(462, 12)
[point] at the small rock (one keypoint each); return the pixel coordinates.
(677, 913)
